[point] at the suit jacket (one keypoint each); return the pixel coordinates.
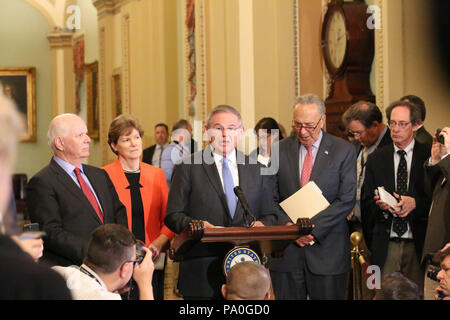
(154, 193)
(197, 193)
(334, 172)
(424, 137)
(66, 215)
(376, 223)
(24, 279)
(147, 154)
(438, 230)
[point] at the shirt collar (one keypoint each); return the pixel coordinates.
(316, 144)
(408, 149)
(231, 156)
(67, 167)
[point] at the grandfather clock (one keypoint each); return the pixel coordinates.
(348, 51)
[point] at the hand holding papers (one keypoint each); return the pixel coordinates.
(387, 198)
(305, 203)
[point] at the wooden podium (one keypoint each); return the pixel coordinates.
(265, 240)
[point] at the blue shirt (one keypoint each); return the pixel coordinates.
(171, 155)
(70, 170)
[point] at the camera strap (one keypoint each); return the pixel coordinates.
(89, 274)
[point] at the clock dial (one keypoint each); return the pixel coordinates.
(336, 38)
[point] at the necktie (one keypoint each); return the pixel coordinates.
(228, 185)
(161, 148)
(399, 224)
(307, 167)
(89, 194)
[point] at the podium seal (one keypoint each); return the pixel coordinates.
(238, 255)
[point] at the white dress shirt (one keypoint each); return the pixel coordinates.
(232, 164)
(85, 286)
(409, 154)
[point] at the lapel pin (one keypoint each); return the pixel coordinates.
(326, 152)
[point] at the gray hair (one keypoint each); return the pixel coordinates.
(223, 108)
(57, 129)
(311, 98)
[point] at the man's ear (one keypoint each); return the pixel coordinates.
(59, 143)
(415, 127)
(123, 271)
(224, 290)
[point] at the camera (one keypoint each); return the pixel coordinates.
(432, 273)
(140, 253)
(439, 138)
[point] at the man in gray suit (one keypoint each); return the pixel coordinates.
(316, 265)
(202, 189)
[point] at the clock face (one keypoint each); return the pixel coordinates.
(336, 39)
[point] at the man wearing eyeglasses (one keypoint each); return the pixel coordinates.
(202, 189)
(109, 264)
(395, 235)
(316, 265)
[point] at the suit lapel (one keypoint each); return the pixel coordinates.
(322, 157)
(72, 187)
(390, 171)
(214, 178)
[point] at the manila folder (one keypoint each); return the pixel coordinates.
(305, 203)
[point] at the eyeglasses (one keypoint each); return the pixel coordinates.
(231, 130)
(308, 127)
(356, 133)
(401, 124)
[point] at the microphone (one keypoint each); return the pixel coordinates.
(247, 212)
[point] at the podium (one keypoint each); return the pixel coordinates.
(264, 240)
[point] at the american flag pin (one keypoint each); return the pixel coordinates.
(326, 151)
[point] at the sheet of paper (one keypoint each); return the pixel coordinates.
(387, 197)
(305, 203)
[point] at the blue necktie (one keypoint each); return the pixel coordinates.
(228, 185)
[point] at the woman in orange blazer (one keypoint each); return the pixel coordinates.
(142, 189)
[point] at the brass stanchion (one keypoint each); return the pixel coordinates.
(357, 262)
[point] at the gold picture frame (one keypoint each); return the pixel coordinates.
(116, 86)
(19, 84)
(92, 100)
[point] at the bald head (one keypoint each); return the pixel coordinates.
(67, 136)
(247, 281)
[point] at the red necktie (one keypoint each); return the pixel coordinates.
(89, 195)
(307, 167)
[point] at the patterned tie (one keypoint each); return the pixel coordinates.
(89, 194)
(228, 185)
(307, 167)
(399, 224)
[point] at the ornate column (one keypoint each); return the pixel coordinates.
(63, 92)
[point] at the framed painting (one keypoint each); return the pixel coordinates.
(19, 84)
(116, 85)
(92, 100)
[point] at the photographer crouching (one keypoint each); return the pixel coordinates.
(442, 291)
(111, 260)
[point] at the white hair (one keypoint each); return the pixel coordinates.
(58, 128)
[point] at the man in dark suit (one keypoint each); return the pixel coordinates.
(364, 121)
(152, 155)
(69, 199)
(437, 174)
(316, 265)
(395, 235)
(202, 189)
(421, 134)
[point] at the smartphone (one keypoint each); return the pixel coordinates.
(31, 231)
(31, 227)
(439, 138)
